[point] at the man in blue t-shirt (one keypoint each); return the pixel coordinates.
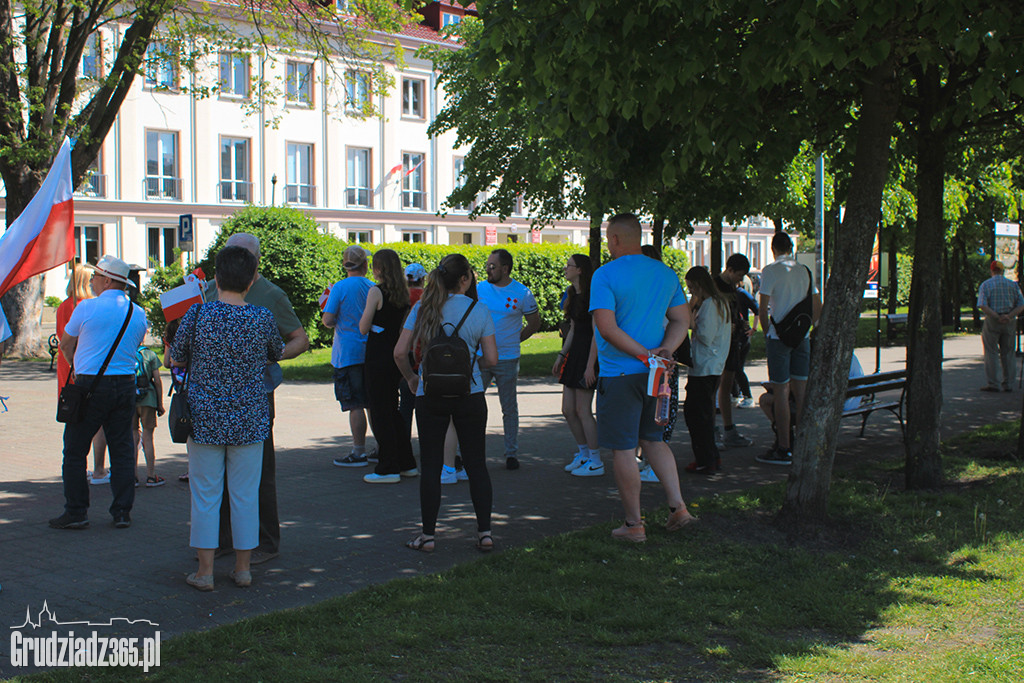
(344, 307)
(631, 297)
(510, 303)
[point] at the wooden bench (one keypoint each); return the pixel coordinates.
(895, 325)
(868, 388)
(54, 344)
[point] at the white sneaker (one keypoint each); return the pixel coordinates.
(448, 475)
(460, 474)
(746, 403)
(576, 462)
(590, 468)
(647, 474)
(374, 478)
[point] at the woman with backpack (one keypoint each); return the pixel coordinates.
(449, 327)
(387, 302)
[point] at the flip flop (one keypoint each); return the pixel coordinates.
(485, 547)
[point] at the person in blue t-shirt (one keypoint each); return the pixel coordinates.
(510, 303)
(344, 307)
(630, 298)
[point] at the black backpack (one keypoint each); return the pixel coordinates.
(794, 326)
(448, 363)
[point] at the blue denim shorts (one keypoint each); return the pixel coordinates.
(625, 413)
(349, 388)
(785, 363)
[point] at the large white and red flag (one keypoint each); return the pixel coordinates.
(43, 236)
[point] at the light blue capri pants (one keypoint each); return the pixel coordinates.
(207, 464)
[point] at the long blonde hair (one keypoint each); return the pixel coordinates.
(392, 277)
(78, 283)
(441, 282)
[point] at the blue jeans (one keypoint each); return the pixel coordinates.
(505, 374)
(112, 407)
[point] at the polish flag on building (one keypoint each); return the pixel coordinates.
(323, 297)
(177, 301)
(43, 236)
(395, 169)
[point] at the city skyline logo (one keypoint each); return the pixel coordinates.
(51, 617)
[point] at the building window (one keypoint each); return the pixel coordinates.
(234, 170)
(755, 255)
(92, 57)
(360, 236)
(697, 253)
(467, 238)
(299, 86)
(357, 90)
(413, 194)
(88, 243)
(234, 74)
(94, 183)
(412, 97)
(414, 236)
(160, 244)
(299, 181)
(358, 192)
(161, 67)
(162, 165)
(341, 5)
(458, 168)
(448, 19)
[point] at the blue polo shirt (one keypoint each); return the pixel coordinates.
(96, 323)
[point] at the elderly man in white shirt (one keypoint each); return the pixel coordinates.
(109, 326)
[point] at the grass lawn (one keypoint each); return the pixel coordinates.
(899, 586)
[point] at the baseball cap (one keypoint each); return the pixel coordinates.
(415, 271)
(355, 258)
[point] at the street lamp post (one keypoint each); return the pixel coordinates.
(273, 188)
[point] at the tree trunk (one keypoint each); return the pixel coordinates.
(716, 245)
(596, 219)
(658, 230)
(777, 222)
(894, 279)
(814, 450)
(924, 326)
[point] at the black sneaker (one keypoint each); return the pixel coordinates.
(776, 456)
(122, 521)
(512, 463)
(351, 460)
(66, 521)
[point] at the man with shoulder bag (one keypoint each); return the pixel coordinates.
(99, 342)
(789, 306)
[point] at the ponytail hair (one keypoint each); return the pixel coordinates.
(441, 282)
(392, 277)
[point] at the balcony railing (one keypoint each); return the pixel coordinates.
(235, 191)
(93, 185)
(358, 196)
(414, 199)
(162, 187)
(300, 194)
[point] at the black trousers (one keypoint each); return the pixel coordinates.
(469, 415)
(394, 448)
(699, 410)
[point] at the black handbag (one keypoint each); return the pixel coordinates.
(73, 401)
(179, 415)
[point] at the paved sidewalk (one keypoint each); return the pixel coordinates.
(340, 534)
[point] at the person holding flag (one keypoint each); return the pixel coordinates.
(630, 298)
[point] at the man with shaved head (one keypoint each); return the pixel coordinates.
(631, 297)
(265, 293)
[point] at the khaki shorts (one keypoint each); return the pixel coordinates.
(146, 415)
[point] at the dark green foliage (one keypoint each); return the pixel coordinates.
(294, 255)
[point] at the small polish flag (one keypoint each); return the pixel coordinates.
(324, 297)
(395, 170)
(177, 301)
(410, 171)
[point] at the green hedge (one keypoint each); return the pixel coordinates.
(301, 260)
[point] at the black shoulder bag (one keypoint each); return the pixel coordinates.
(179, 415)
(74, 399)
(794, 326)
